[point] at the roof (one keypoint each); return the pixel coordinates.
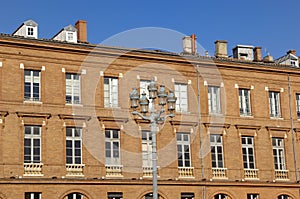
(29, 22)
(172, 54)
(289, 56)
(70, 28)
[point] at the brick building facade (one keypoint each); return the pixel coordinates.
(67, 130)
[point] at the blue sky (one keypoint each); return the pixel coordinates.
(273, 25)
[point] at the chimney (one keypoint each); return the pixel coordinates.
(80, 25)
(194, 44)
(189, 44)
(291, 52)
(221, 48)
(257, 54)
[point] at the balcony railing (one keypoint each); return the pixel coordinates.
(33, 169)
(219, 173)
(147, 171)
(74, 169)
(114, 170)
(281, 174)
(251, 174)
(186, 172)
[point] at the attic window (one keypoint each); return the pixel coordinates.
(243, 55)
(30, 31)
(70, 36)
(293, 63)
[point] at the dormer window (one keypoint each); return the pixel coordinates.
(70, 36)
(293, 63)
(30, 31)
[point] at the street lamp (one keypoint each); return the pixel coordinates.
(154, 117)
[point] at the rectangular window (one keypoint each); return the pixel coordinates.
(278, 153)
(298, 105)
(112, 147)
(70, 36)
(216, 147)
(32, 144)
(244, 101)
(187, 195)
(30, 31)
(33, 195)
(214, 104)
(182, 97)
(73, 145)
(248, 152)
(73, 88)
(183, 150)
(147, 148)
(274, 104)
(110, 92)
(114, 195)
(32, 85)
(252, 196)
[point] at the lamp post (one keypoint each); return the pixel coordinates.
(154, 117)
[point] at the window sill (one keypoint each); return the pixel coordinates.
(32, 102)
(276, 118)
(79, 105)
(247, 116)
(216, 114)
(112, 107)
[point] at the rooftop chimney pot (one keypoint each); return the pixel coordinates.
(189, 44)
(292, 52)
(257, 54)
(221, 48)
(80, 25)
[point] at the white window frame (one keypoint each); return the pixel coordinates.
(248, 152)
(111, 92)
(32, 136)
(114, 195)
(183, 149)
(298, 105)
(278, 153)
(147, 148)
(244, 101)
(69, 36)
(32, 195)
(74, 196)
(187, 195)
(220, 196)
(30, 31)
(274, 101)
(181, 92)
(252, 196)
(34, 81)
(214, 101)
(74, 136)
(73, 88)
(144, 89)
(283, 196)
(216, 149)
(112, 139)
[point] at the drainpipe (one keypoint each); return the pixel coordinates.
(293, 132)
(200, 131)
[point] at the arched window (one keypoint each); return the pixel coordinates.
(284, 197)
(150, 196)
(74, 196)
(221, 196)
